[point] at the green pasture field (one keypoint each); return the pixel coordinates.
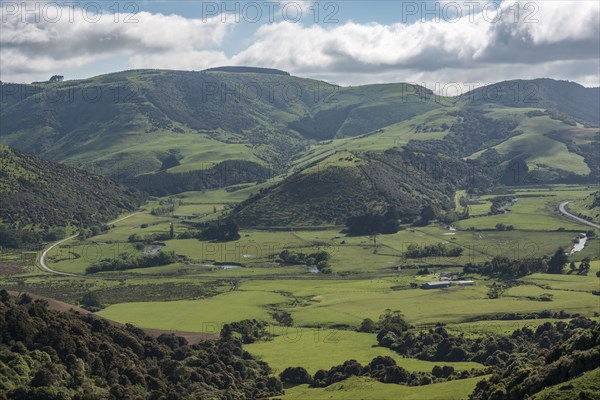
(358, 388)
(316, 348)
(568, 281)
(535, 209)
(324, 303)
(196, 315)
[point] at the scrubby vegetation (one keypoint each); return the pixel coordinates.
(505, 268)
(432, 250)
(38, 195)
(47, 354)
(126, 261)
(319, 259)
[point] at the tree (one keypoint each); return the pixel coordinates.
(367, 325)
(556, 264)
(90, 300)
(393, 321)
(427, 214)
(56, 78)
(572, 266)
(295, 375)
(171, 231)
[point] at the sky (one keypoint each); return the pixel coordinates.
(434, 43)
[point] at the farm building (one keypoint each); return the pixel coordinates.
(445, 284)
(435, 285)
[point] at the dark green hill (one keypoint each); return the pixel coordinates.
(347, 184)
(37, 192)
(562, 97)
(47, 354)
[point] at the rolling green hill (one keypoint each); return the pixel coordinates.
(138, 122)
(166, 132)
(568, 100)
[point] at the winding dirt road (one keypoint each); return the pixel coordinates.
(564, 211)
(45, 267)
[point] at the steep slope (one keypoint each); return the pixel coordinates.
(348, 184)
(560, 97)
(34, 191)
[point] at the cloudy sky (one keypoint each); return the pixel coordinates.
(346, 42)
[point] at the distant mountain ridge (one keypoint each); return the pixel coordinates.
(171, 131)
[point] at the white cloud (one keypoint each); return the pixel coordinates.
(553, 39)
(36, 48)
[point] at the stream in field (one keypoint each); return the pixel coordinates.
(579, 245)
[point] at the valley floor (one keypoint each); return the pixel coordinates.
(369, 275)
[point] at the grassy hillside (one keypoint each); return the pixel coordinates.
(586, 386)
(148, 121)
(137, 122)
(34, 191)
(565, 99)
(588, 207)
(358, 388)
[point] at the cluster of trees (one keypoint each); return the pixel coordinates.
(558, 352)
(382, 368)
(504, 267)
(584, 266)
(63, 355)
(226, 173)
(319, 259)
(125, 262)
(432, 250)
(522, 364)
(30, 238)
(557, 262)
(153, 237)
(248, 331)
(389, 320)
(283, 317)
(472, 132)
(220, 231)
(19, 238)
(93, 230)
(370, 224)
(44, 194)
(544, 314)
(501, 227)
(427, 215)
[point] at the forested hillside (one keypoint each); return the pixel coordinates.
(345, 185)
(47, 354)
(39, 193)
